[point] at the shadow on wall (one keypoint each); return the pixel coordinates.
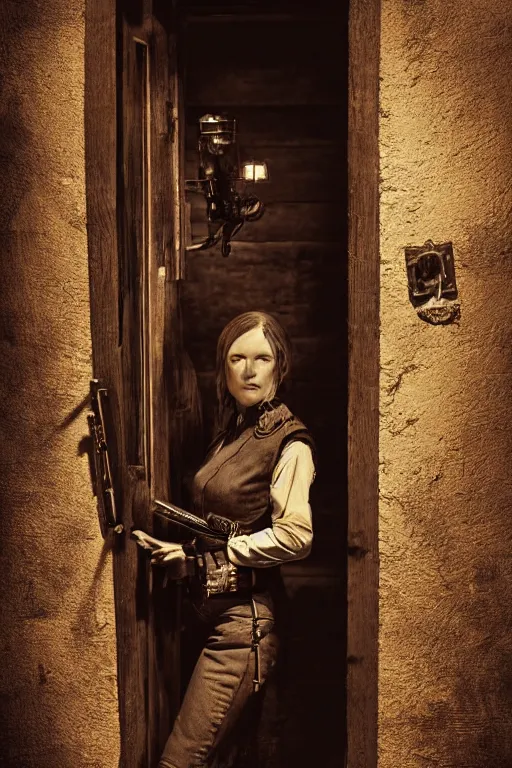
(15, 20)
(86, 624)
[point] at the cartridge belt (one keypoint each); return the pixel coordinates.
(220, 578)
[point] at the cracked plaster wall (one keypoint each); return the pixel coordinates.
(445, 657)
(58, 687)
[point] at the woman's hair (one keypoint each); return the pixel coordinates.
(281, 348)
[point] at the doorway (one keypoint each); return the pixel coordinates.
(282, 75)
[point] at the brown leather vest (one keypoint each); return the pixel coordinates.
(235, 479)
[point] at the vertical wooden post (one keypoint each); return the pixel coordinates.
(165, 601)
(363, 385)
(130, 232)
(101, 146)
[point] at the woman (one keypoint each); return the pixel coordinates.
(256, 475)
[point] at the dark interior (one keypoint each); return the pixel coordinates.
(281, 71)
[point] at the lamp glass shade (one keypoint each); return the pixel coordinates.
(254, 171)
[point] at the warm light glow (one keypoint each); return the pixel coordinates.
(254, 171)
(217, 125)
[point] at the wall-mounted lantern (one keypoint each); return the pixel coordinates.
(223, 182)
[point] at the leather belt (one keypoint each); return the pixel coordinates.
(221, 578)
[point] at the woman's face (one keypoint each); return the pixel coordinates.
(250, 366)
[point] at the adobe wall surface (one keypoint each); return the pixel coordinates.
(445, 646)
(57, 655)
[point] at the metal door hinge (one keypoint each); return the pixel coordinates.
(102, 462)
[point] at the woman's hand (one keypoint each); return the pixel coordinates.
(165, 553)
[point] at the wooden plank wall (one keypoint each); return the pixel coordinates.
(284, 78)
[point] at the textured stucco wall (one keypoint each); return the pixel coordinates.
(445, 656)
(57, 641)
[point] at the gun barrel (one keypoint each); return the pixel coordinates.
(194, 523)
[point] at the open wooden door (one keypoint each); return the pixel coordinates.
(132, 167)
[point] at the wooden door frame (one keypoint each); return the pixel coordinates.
(363, 383)
(145, 708)
(363, 318)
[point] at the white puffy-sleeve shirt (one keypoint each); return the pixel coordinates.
(291, 534)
